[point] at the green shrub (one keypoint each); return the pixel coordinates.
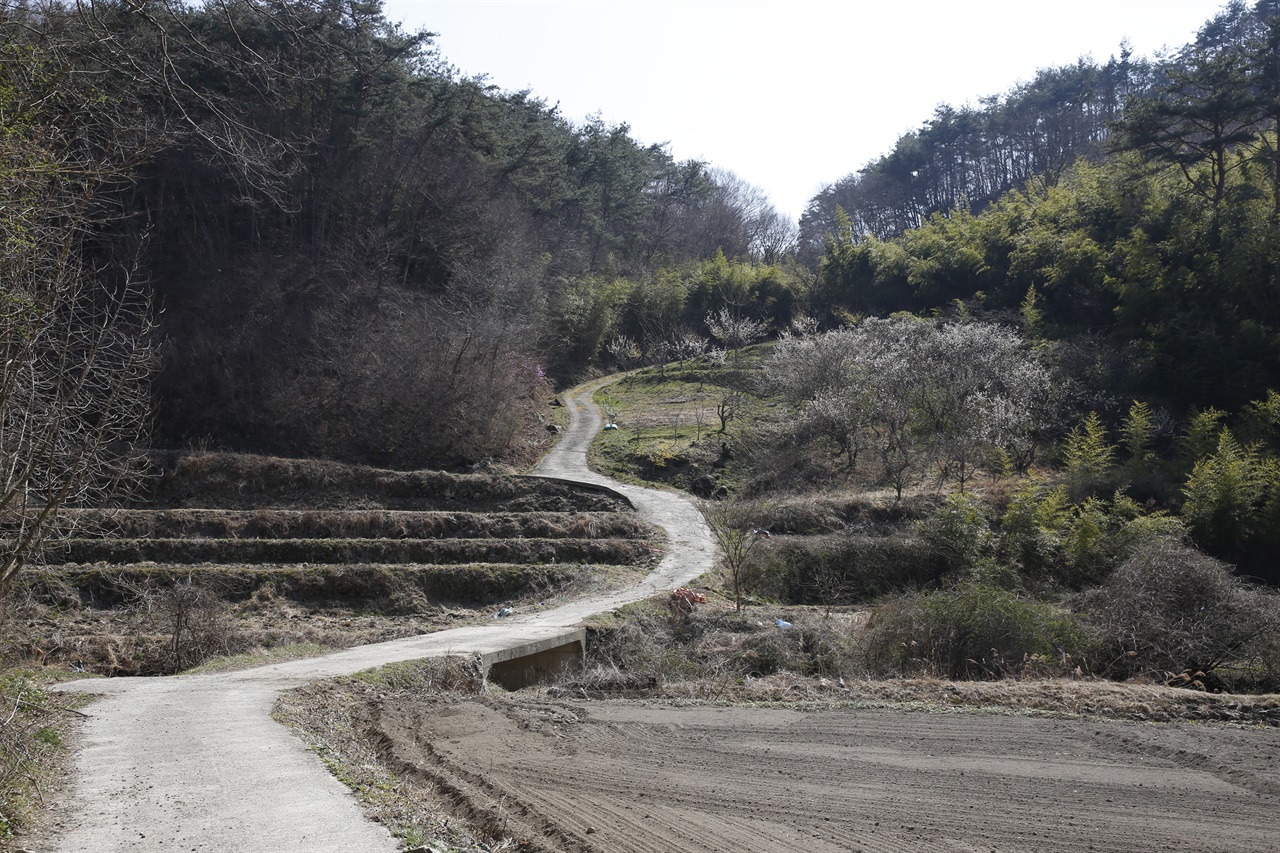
(973, 630)
(1078, 545)
(1032, 527)
(1088, 458)
(1226, 494)
(959, 531)
(844, 568)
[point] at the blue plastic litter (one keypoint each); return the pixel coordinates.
(782, 624)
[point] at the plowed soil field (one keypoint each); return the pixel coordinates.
(635, 776)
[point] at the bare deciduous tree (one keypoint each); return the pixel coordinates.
(728, 408)
(75, 357)
(732, 523)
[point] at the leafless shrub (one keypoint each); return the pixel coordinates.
(414, 383)
(781, 463)
(181, 625)
(734, 526)
(1171, 610)
(707, 651)
(605, 681)
(760, 654)
(641, 647)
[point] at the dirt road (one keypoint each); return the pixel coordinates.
(634, 777)
(195, 763)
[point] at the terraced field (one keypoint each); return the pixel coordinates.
(224, 557)
(196, 762)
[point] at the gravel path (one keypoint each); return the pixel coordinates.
(195, 763)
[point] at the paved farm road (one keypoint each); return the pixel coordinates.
(195, 763)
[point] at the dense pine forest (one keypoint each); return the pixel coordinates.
(350, 249)
(308, 234)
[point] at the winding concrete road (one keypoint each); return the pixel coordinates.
(195, 763)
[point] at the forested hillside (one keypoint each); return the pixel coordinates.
(354, 250)
(1151, 250)
(965, 157)
(349, 250)
(1126, 218)
(968, 156)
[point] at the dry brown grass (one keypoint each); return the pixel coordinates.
(34, 730)
(244, 481)
(1072, 697)
(135, 639)
(719, 655)
(841, 509)
(354, 551)
(260, 552)
(118, 621)
(360, 524)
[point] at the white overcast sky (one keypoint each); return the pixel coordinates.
(790, 95)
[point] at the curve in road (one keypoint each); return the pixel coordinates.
(195, 763)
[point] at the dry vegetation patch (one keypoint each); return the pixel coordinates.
(251, 556)
(812, 655)
(351, 551)
(244, 481)
(356, 524)
(35, 730)
(338, 720)
(152, 620)
(1093, 698)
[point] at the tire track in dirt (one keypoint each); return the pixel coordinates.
(637, 777)
(195, 763)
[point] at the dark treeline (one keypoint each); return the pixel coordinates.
(355, 251)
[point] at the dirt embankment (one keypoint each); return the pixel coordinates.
(627, 776)
(236, 553)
